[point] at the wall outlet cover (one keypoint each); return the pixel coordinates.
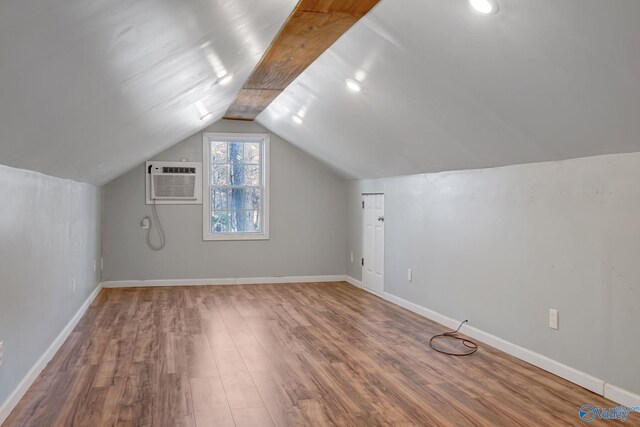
(553, 318)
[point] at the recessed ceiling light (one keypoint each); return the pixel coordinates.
(226, 79)
(485, 7)
(297, 119)
(206, 116)
(353, 85)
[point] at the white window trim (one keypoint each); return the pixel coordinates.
(207, 235)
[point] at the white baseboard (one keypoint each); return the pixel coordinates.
(10, 403)
(232, 281)
(354, 282)
(423, 311)
(621, 396)
(580, 378)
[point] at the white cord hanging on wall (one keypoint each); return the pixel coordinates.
(147, 223)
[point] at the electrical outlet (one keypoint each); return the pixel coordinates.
(351, 257)
(1, 352)
(73, 284)
(553, 318)
(409, 275)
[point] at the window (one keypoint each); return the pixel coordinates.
(236, 186)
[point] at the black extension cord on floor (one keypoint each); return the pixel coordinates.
(453, 335)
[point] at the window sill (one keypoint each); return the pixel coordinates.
(232, 237)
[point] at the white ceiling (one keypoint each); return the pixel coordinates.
(447, 88)
(90, 88)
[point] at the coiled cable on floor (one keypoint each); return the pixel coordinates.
(453, 335)
(156, 219)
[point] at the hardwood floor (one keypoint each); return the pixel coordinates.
(308, 354)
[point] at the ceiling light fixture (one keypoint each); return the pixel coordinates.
(226, 79)
(297, 119)
(353, 85)
(485, 7)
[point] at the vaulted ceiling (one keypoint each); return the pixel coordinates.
(445, 88)
(90, 88)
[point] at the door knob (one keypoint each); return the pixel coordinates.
(381, 218)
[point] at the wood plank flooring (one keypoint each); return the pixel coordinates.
(285, 355)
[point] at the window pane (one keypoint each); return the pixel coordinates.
(220, 222)
(244, 199)
(236, 152)
(236, 225)
(237, 174)
(251, 175)
(252, 199)
(220, 175)
(252, 153)
(219, 200)
(252, 221)
(245, 221)
(219, 152)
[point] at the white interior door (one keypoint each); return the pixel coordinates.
(373, 242)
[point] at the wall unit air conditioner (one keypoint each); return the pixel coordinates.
(173, 183)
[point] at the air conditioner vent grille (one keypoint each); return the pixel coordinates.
(174, 186)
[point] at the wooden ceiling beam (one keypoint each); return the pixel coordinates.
(310, 30)
(356, 8)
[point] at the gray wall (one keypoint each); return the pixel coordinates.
(501, 246)
(49, 234)
(307, 223)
